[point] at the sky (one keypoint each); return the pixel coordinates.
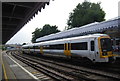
(57, 13)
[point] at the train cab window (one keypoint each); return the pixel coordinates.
(92, 44)
(106, 44)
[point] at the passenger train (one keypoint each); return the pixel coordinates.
(95, 47)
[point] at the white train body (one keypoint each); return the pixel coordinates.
(95, 47)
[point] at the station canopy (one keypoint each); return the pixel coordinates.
(96, 27)
(16, 14)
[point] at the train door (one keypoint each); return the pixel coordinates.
(67, 48)
(92, 49)
(41, 50)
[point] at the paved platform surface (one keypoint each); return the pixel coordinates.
(10, 71)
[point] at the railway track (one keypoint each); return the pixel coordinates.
(108, 67)
(62, 71)
(51, 73)
(83, 69)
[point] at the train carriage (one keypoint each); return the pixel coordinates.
(95, 47)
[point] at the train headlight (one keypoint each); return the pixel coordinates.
(104, 54)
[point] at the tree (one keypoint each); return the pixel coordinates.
(35, 34)
(85, 13)
(46, 30)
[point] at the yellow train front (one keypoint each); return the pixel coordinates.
(95, 47)
(105, 49)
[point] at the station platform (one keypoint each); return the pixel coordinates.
(10, 70)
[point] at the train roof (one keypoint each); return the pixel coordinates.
(64, 39)
(69, 39)
(30, 45)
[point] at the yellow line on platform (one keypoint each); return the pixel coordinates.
(4, 70)
(5, 75)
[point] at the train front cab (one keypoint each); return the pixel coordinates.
(105, 49)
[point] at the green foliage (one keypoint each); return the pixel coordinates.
(2, 47)
(46, 30)
(85, 13)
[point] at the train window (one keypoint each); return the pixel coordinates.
(65, 48)
(60, 46)
(79, 46)
(26, 48)
(30, 47)
(92, 45)
(57, 46)
(68, 46)
(36, 47)
(33, 47)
